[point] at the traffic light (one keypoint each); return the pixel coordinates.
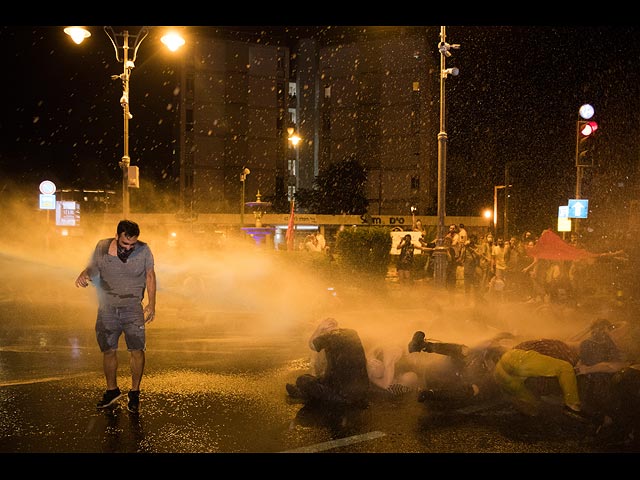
(584, 142)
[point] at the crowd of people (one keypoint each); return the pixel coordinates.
(485, 267)
(592, 380)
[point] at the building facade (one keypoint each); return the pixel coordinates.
(370, 96)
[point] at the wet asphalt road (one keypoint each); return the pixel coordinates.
(225, 394)
(215, 384)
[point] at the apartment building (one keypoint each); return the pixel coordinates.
(369, 95)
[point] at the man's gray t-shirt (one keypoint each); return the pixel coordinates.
(120, 283)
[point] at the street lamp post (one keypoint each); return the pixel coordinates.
(243, 177)
(172, 40)
(505, 231)
(294, 139)
(440, 253)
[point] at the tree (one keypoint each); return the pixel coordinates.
(338, 188)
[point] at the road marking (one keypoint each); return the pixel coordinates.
(42, 380)
(337, 443)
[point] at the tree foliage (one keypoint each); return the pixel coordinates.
(338, 189)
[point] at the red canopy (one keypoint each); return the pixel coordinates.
(551, 247)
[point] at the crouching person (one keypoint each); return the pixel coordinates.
(343, 381)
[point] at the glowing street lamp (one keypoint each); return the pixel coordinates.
(172, 40)
(488, 215)
(294, 139)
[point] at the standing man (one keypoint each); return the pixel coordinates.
(122, 268)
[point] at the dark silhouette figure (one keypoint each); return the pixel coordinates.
(345, 381)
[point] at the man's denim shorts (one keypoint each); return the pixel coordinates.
(113, 321)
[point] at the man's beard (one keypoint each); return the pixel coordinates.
(123, 253)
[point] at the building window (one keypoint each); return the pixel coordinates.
(415, 183)
(327, 91)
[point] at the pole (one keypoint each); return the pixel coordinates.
(173, 41)
(505, 234)
(124, 101)
(242, 200)
(243, 177)
(439, 253)
(495, 208)
(578, 171)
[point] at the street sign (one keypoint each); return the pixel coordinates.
(47, 187)
(47, 202)
(578, 208)
(564, 224)
(563, 211)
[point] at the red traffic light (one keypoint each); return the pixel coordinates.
(588, 128)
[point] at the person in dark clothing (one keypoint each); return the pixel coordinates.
(470, 258)
(469, 378)
(344, 381)
(599, 347)
(404, 264)
(608, 383)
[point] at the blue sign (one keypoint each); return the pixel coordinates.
(578, 208)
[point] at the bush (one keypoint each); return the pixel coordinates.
(364, 251)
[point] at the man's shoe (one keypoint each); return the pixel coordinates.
(134, 401)
(578, 415)
(109, 398)
(417, 343)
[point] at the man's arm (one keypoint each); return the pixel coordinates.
(83, 279)
(601, 367)
(150, 309)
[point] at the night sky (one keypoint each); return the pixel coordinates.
(515, 100)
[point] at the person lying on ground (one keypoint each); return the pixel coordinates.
(389, 372)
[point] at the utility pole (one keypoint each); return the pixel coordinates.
(440, 253)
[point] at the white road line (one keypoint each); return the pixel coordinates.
(42, 380)
(337, 443)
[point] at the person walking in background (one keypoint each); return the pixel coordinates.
(471, 266)
(404, 264)
(499, 258)
(462, 233)
(451, 243)
(485, 250)
(122, 269)
(418, 227)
